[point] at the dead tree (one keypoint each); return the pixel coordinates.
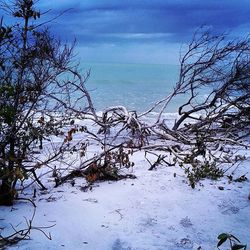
(215, 80)
(214, 76)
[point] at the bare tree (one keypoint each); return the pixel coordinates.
(215, 75)
(215, 80)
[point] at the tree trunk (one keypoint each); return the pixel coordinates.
(6, 193)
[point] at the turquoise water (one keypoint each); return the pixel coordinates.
(136, 86)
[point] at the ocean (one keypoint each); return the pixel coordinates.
(135, 86)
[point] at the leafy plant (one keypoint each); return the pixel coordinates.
(201, 171)
(35, 100)
(234, 242)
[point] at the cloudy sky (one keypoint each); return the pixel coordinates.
(149, 31)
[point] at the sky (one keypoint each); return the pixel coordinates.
(141, 31)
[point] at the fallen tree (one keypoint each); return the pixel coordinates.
(208, 127)
(213, 123)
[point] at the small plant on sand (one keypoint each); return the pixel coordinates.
(201, 171)
(233, 241)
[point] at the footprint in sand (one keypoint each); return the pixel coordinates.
(185, 243)
(186, 222)
(227, 207)
(120, 245)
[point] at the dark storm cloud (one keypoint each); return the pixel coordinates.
(141, 30)
(103, 21)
